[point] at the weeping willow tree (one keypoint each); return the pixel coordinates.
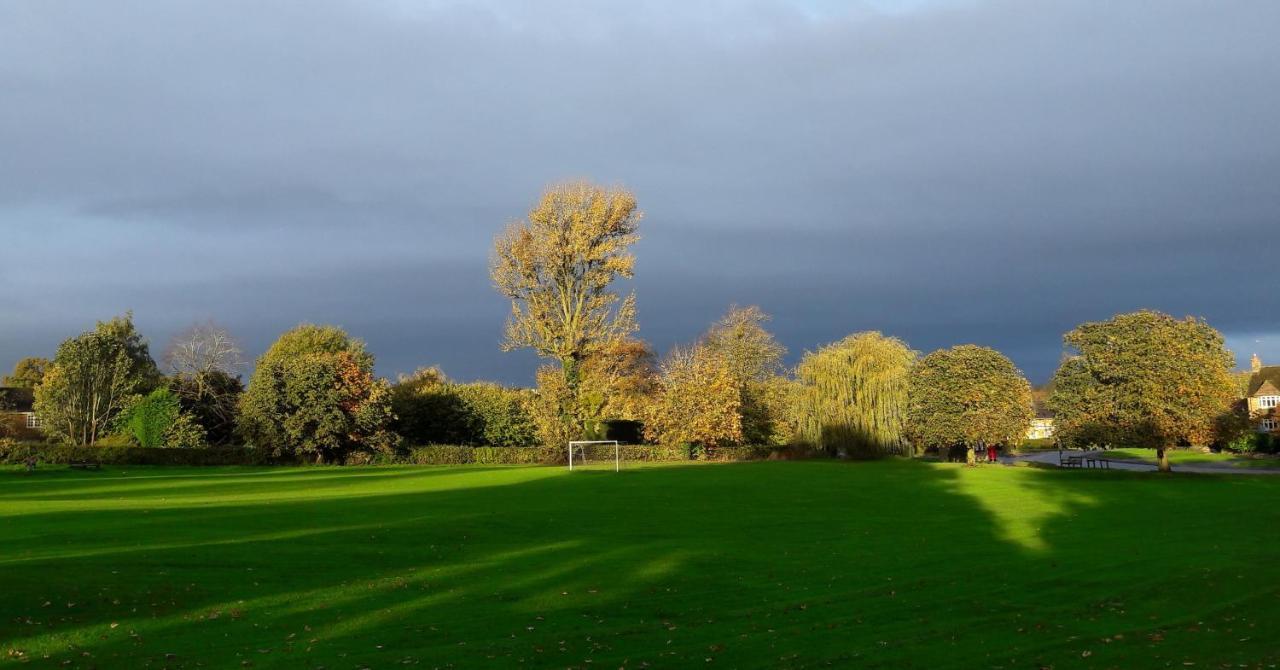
(852, 395)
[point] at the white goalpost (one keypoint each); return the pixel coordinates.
(579, 444)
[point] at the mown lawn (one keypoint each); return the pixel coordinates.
(1193, 457)
(780, 564)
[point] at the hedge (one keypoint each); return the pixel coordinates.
(457, 455)
(16, 453)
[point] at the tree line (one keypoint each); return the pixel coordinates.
(1140, 379)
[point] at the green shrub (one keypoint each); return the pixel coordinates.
(16, 453)
(148, 419)
(116, 440)
(439, 454)
(509, 455)
(1251, 443)
(430, 409)
(497, 415)
(1040, 443)
(157, 420)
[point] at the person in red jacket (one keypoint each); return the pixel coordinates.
(991, 453)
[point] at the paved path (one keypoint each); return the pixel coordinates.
(1051, 458)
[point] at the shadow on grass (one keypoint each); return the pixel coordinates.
(761, 564)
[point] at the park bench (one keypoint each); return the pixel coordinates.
(1101, 463)
(85, 465)
(1071, 461)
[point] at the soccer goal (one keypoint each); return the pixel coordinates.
(580, 446)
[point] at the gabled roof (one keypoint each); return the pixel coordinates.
(1267, 376)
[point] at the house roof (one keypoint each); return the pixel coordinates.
(13, 399)
(1269, 375)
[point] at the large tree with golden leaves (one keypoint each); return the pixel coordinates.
(558, 267)
(1143, 379)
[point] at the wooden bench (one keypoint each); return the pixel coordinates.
(85, 465)
(1100, 463)
(1071, 461)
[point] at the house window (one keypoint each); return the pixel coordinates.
(1269, 401)
(34, 421)
(1267, 425)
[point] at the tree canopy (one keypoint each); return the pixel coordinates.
(853, 395)
(697, 401)
(967, 395)
(750, 351)
(753, 358)
(557, 267)
(27, 373)
(1143, 379)
(313, 392)
(616, 381)
(92, 378)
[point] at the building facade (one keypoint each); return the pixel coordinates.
(1263, 395)
(18, 418)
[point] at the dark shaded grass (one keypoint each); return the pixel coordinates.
(885, 564)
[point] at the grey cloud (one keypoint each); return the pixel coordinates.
(962, 171)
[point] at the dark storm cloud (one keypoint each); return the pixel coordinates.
(948, 172)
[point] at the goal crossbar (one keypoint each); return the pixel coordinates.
(617, 451)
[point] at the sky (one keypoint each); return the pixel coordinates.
(948, 171)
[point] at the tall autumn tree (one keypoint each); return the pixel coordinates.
(754, 360)
(93, 377)
(1143, 379)
(853, 395)
(313, 392)
(696, 401)
(967, 395)
(558, 267)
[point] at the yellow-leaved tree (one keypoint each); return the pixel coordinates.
(697, 401)
(558, 267)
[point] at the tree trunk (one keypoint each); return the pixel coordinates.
(1162, 455)
(970, 458)
(571, 414)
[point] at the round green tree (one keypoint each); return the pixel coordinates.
(313, 392)
(967, 395)
(1143, 379)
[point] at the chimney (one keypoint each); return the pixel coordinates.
(1255, 364)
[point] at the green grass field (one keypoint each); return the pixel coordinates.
(1193, 457)
(774, 564)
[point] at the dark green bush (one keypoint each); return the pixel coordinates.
(439, 454)
(15, 453)
(157, 420)
(430, 409)
(497, 415)
(509, 455)
(1253, 443)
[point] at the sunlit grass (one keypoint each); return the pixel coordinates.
(1193, 457)
(748, 565)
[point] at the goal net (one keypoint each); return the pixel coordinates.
(584, 452)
